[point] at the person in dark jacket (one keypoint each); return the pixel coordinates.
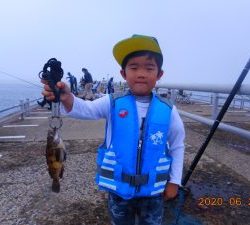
(75, 85)
(87, 76)
(70, 77)
(87, 94)
(111, 86)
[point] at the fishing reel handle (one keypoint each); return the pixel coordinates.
(52, 73)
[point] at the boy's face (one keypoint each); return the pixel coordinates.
(141, 74)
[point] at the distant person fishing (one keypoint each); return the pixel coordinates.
(96, 86)
(111, 86)
(88, 81)
(73, 83)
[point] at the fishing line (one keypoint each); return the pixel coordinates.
(18, 78)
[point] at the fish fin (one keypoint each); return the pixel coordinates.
(65, 156)
(61, 172)
(50, 173)
(56, 186)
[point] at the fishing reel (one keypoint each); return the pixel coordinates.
(52, 73)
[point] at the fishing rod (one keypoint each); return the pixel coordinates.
(217, 121)
(18, 78)
(183, 191)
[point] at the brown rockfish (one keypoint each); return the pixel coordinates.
(55, 155)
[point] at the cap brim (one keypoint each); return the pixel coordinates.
(134, 44)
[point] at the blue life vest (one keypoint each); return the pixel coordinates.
(135, 165)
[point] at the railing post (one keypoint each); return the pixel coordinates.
(215, 105)
(242, 103)
(27, 113)
(25, 108)
(22, 109)
(211, 99)
(234, 107)
(173, 95)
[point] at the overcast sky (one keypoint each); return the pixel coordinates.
(203, 41)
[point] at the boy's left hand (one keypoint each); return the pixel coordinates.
(170, 191)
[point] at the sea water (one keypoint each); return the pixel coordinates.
(12, 93)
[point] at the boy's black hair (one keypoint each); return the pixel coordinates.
(158, 58)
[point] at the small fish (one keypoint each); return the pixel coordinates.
(55, 155)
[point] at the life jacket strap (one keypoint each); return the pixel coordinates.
(133, 180)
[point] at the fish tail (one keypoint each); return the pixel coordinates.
(56, 186)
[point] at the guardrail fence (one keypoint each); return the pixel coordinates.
(241, 101)
(23, 109)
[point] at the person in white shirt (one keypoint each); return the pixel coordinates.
(140, 163)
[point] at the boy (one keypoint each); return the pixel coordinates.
(144, 136)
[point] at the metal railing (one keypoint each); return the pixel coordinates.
(215, 89)
(23, 109)
(25, 106)
(238, 102)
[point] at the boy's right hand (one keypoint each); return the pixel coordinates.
(65, 97)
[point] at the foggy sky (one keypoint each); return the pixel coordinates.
(202, 41)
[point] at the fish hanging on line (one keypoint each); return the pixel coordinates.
(55, 155)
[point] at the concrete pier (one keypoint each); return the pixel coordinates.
(219, 187)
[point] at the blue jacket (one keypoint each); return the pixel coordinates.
(135, 164)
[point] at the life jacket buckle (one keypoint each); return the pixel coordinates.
(135, 180)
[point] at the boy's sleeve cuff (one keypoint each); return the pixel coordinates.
(63, 110)
(174, 181)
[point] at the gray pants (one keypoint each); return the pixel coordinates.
(87, 93)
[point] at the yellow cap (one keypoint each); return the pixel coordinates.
(134, 44)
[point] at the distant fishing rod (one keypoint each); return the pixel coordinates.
(18, 78)
(217, 121)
